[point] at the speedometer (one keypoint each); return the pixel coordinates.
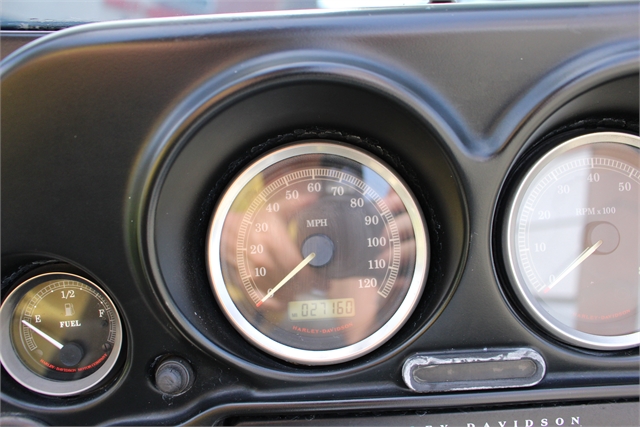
(572, 241)
(317, 253)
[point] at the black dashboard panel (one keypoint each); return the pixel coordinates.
(119, 138)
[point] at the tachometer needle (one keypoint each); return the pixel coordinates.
(43, 335)
(583, 256)
(288, 277)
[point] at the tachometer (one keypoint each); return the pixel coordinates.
(572, 241)
(317, 253)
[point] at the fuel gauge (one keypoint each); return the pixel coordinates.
(62, 334)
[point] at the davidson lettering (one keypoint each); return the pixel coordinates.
(543, 422)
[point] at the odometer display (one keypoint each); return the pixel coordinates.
(317, 253)
(322, 309)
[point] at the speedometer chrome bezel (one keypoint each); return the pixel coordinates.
(330, 356)
(549, 323)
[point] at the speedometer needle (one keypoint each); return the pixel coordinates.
(288, 277)
(583, 256)
(42, 334)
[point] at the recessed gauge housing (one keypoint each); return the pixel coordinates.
(317, 252)
(61, 334)
(572, 242)
(199, 167)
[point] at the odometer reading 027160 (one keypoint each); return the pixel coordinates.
(317, 253)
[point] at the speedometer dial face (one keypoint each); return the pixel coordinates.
(573, 241)
(317, 253)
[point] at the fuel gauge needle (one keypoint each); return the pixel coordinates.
(42, 334)
(581, 258)
(288, 277)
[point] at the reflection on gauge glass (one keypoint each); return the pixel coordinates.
(62, 334)
(573, 241)
(317, 253)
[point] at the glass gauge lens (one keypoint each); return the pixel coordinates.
(573, 241)
(62, 334)
(317, 253)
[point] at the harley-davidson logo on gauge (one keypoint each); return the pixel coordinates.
(317, 253)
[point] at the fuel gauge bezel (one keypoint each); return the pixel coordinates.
(18, 370)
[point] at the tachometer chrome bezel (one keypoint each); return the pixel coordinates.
(524, 296)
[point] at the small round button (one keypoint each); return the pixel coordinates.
(174, 376)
